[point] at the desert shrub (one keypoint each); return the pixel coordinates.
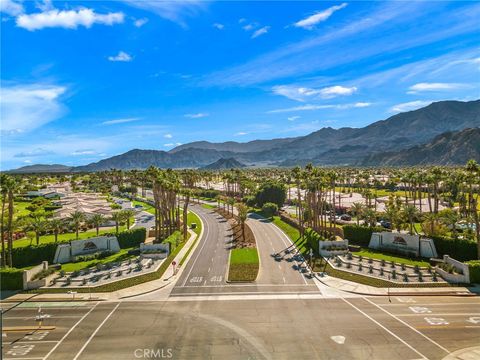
(269, 209)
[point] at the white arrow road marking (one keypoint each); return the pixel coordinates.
(420, 309)
(339, 339)
(436, 321)
(474, 320)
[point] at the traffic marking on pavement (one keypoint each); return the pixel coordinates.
(384, 328)
(339, 339)
(411, 327)
(420, 309)
(196, 279)
(216, 278)
(95, 332)
(39, 335)
(474, 320)
(20, 349)
(405, 300)
(436, 321)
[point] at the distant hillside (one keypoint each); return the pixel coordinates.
(233, 146)
(327, 146)
(223, 163)
(451, 148)
(41, 168)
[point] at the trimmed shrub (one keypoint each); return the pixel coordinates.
(33, 254)
(132, 238)
(11, 279)
(210, 193)
(271, 192)
(458, 249)
(474, 269)
(359, 235)
(269, 209)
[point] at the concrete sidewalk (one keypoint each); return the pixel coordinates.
(356, 288)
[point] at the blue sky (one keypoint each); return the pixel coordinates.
(82, 81)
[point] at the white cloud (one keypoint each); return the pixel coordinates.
(310, 107)
(293, 118)
(11, 7)
(362, 104)
(175, 11)
(408, 106)
(140, 22)
(27, 107)
(167, 136)
(178, 144)
(241, 20)
(261, 31)
(240, 133)
(310, 22)
(196, 116)
(27, 161)
(218, 26)
(421, 87)
(304, 93)
(33, 152)
(250, 26)
(168, 145)
(121, 56)
(120, 121)
(68, 19)
(83, 152)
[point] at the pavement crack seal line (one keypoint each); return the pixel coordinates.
(69, 331)
(95, 332)
(251, 339)
(411, 327)
(386, 329)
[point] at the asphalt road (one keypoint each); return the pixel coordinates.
(207, 266)
(318, 328)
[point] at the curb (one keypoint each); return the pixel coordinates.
(403, 293)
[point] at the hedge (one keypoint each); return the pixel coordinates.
(132, 238)
(34, 254)
(458, 249)
(11, 279)
(360, 235)
(474, 269)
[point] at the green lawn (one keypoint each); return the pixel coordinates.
(244, 265)
(120, 256)
(374, 254)
(208, 206)
(21, 208)
(193, 218)
(147, 207)
(67, 236)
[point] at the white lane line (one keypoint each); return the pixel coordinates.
(51, 317)
(208, 270)
(31, 342)
(201, 249)
(69, 331)
(387, 330)
(23, 358)
(438, 314)
(411, 327)
(95, 332)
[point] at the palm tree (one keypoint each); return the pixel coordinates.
(96, 220)
(370, 217)
(11, 187)
(38, 225)
(410, 212)
(357, 210)
(57, 225)
(242, 216)
(76, 219)
(117, 217)
(127, 215)
(450, 218)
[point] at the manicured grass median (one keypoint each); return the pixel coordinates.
(146, 207)
(244, 264)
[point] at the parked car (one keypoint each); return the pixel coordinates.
(346, 217)
(386, 224)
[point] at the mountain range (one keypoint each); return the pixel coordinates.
(444, 132)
